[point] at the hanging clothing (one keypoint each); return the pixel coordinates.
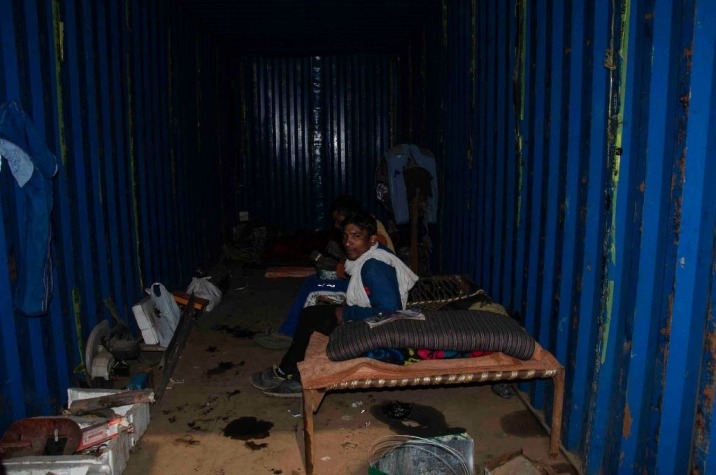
(33, 165)
(396, 160)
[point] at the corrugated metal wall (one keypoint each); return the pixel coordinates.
(578, 173)
(314, 128)
(573, 142)
(127, 95)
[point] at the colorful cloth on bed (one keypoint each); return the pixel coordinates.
(406, 356)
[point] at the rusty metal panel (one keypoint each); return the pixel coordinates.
(602, 178)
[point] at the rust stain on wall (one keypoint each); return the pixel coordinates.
(626, 423)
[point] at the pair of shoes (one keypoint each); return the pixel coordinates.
(273, 341)
(267, 379)
(287, 388)
(503, 390)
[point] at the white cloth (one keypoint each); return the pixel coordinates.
(356, 291)
(19, 161)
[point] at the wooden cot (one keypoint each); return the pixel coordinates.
(320, 375)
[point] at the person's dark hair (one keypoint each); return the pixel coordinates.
(363, 221)
(346, 205)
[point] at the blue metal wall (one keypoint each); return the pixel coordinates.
(314, 128)
(135, 103)
(576, 154)
(572, 139)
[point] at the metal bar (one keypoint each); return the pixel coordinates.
(82, 238)
(500, 215)
(108, 187)
(694, 269)
(14, 407)
(572, 243)
(649, 297)
(524, 77)
(536, 161)
(621, 236)
(35, 327)
(591, 305)
(491, 159)
(95, 191)
(64, 272)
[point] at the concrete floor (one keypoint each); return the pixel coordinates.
(210, 419)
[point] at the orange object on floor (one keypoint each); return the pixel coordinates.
(273, 272)
(182, 298)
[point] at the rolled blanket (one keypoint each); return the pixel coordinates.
(450, 330)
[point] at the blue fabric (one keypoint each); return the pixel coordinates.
(381, 285)
(310, 284)
(396, 182)
(34, 263)
(17, 127)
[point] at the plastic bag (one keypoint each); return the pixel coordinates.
(201, 287)
(168, 312)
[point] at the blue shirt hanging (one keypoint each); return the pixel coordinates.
(33, 165)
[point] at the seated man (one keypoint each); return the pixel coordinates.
(379, 283)
(342, 207)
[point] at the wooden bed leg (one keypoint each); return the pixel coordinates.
(311, 400)
(555, 437)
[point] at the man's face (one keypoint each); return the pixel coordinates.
(356, 241)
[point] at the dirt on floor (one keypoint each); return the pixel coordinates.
(210, 420)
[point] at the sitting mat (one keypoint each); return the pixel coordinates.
(449, 330)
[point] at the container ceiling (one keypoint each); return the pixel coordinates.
(307, 27)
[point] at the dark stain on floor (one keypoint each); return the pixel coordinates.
(245, 428)
(233, 393)
(255, 446)
(235, 331)
(418, 420)
(221, 368)
(211, 349)
(186, 440)
(521, 424)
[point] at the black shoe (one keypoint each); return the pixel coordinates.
(503, 390)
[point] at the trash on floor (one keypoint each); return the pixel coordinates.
(444, 455)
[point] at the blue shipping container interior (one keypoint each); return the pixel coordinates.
(572, 140)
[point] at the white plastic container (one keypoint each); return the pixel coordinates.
(146, 320)
(112, 458)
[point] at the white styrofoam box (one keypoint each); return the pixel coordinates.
(144, 314)
(113, 458)
(136, 414)
(58, 465)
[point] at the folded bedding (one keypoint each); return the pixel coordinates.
(446, 330)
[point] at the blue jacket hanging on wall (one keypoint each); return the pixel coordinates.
(33, 165)
(397, 158)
